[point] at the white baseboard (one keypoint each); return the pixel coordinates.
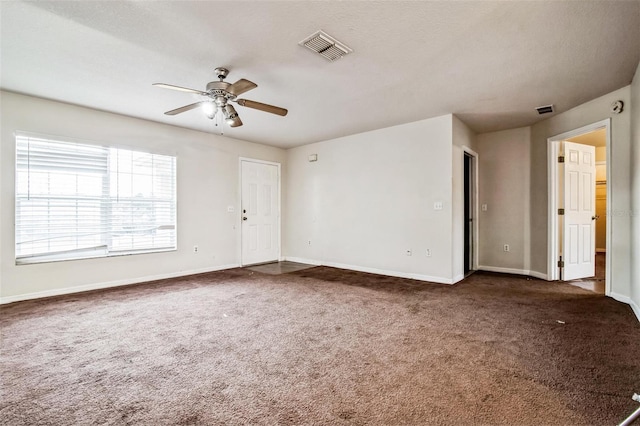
(626, 299)
(620, 297)
(302, 260)
(109, 284)
(503, 270)
(540, 275)
(636, 309)
(514, 271)
(399, 274)
(419, 277)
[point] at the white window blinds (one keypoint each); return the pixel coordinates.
(77, 200)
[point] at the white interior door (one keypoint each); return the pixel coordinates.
(260, 212)
(579, 211)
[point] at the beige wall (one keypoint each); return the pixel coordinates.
(634, 110)
(504, 187)
(207, 180)
(366, 201)
(517, 156)
(619, 219)
(370, 197)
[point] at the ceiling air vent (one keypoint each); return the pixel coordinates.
(325, 45)
(545, 109)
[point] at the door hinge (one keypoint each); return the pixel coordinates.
(561, 159)
(561, 263)
(561, 212)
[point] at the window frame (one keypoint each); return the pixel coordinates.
(105, 250)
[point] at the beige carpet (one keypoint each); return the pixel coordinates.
(320, 346)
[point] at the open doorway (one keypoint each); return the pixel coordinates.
(593, 233)
(470, 211)
(598, 140)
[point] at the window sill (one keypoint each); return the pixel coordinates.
(66, 258)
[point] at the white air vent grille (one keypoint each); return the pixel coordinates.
(326, 46)
(545, 109)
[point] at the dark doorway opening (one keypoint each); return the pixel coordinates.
(468, 213)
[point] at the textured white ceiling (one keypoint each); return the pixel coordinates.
(488, 62)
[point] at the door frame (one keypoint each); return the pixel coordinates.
(474, 205)
(238, 221)
(553, 227)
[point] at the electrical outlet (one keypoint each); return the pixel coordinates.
(428, 252)
(195, 249)
(506, 247)
(409, 252)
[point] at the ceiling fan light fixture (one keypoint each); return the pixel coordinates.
(217, 97)
(209, 109)
(231, 116)
(234, 122)
(230, 111)
(326, 46)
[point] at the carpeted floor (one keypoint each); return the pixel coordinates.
(320, 346)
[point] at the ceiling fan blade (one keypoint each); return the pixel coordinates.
(184, 108)
(262, 107)
(182, 89)
(241, 86)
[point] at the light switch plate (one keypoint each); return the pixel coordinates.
(437, 205)
(231, 209)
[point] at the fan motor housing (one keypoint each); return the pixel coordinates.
(218, 85)
(218, 91)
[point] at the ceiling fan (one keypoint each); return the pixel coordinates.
(219, 94)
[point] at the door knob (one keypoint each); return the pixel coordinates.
(244, 218)
(596, 217)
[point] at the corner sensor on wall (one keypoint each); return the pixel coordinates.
(617, 107)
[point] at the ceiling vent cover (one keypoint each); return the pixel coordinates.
(545, 109)
(325, 45)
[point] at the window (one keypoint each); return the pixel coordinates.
(76, 200)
